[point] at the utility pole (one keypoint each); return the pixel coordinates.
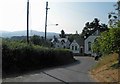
(46, 19)
(28, 21)
(118, 3)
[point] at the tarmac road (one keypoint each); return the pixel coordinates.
(75, 72)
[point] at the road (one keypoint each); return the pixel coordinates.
(75, 72)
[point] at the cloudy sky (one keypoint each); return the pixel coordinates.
(71, 15)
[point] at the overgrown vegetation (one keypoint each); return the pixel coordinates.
(37, 40)
(110, 59)
(108, 42)
(106, 70)
(20, 57)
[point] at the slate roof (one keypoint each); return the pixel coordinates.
(59, 40)
(80, 41)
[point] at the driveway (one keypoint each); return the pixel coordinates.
(75, 72)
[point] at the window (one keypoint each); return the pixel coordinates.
(72, 47)
(63, 41)
(64, 46)
(75, 47)
(89, 46)
(81, 50)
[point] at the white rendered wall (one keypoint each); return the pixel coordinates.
(74, 43)
(89, 39)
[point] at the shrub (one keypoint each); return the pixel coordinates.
(20, 57)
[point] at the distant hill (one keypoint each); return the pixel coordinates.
(7, 34)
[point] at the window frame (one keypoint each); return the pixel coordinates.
(89, 46)
(76, 48)
(72, 47)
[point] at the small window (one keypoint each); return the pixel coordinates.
(64, 46)
(81, 50)
(72, 47)
(63, 41)
(89, 46)
(75, 47)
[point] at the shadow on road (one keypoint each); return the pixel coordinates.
(43, 69)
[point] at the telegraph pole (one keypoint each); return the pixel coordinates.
(28, 21)
(118, 3)
(46, 19)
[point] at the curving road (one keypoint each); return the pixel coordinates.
(76, 72)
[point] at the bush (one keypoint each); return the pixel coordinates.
(19, 57)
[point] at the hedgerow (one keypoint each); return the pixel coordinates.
(19, 57)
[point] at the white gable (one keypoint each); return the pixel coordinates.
(90, 39)
(74, 43)
(61, 43)
(74, 47)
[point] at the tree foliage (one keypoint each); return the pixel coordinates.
(108, 42)
(37, 40)
(62, 35)
(72, 37)
(91, 26)
(94, 46)
(113, 16)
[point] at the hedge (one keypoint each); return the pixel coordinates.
(19, 57)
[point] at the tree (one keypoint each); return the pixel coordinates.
(87, 25)
(62, 35)
(85, 30)
(95, 45)
(104, 26)
(96, 23)
(36, 40)
(114, 16)
(76, 32)
(108, 42)
(72, 37)
(92, 26)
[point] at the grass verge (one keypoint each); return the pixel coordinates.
(106, 69)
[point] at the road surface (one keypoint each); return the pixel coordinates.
(75, 72)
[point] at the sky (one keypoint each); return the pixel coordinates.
(70, 15)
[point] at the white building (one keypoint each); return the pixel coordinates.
(61, 43)
(79, 46)
(74, 47)
(89, 41)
